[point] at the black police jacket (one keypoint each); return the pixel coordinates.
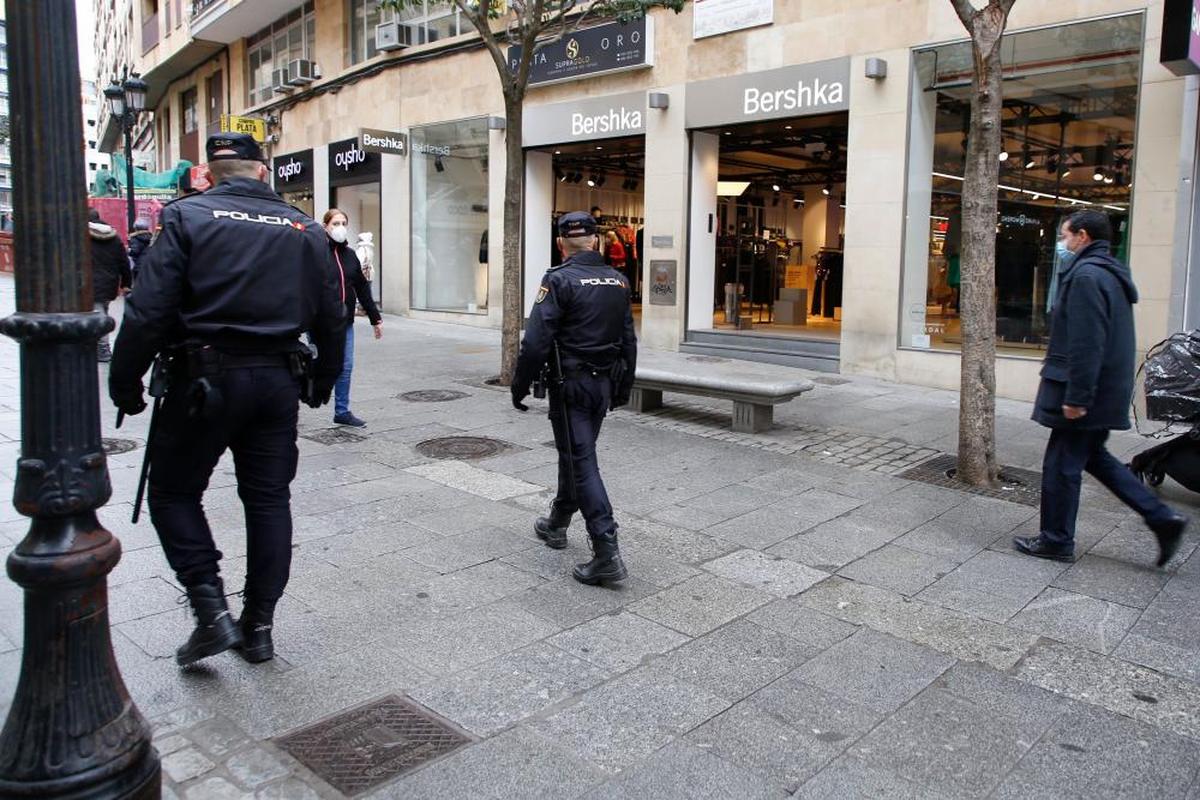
(237, 268)
(585, 305)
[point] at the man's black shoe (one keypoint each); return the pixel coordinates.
(215, 630)
(256, 624)
(1169, 534)
(1037, 546)
(349, 419)
(552, 529)
(606, 565)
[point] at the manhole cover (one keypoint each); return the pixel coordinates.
(463, 447)
(359, 749)
(333, 436)
(432, 396)
(117, 446)
(826, 380)
(1017, 485)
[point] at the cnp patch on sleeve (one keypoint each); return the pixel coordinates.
(542, 292)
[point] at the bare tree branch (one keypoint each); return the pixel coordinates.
(966, 12)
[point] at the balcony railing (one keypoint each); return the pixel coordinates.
(149, 32)
(200, 6)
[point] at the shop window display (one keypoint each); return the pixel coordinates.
(449, 166)
(1070, 104)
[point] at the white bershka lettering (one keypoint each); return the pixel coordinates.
(601, 282)
(261, 219)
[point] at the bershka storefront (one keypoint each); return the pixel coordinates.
(355, 188)
(293, 179)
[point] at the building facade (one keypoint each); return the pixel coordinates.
(785, 178)
(94, 160)
(6, 187)
(118, 50)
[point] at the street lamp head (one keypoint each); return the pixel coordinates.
(135, 93)
(115, 96)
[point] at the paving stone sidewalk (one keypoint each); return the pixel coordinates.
(799, 622)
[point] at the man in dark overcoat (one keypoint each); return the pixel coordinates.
(1087, 383)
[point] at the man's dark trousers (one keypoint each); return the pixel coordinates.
(1068, 454)
(588, 398)
(258, 423)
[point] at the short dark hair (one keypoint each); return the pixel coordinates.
(93, 215)
(595, 209)
(1094, 223)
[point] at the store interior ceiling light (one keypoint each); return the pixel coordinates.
(1097, 175)
(827, 190)
(797, 202)
(1003, 155)
(775, 186)
(1030, 164)
(731, 188)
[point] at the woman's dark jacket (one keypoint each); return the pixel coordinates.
(138, 242)
(1090, 361)
(356, 286)
(110, 263)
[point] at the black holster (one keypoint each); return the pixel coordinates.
(300, 362)
(201, 365)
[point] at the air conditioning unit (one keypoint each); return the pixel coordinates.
(300, 72)
(279, 81)
(395, 36)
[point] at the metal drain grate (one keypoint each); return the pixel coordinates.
(432, 395)
(359, 749)
(464, 448)
(333, 436)
(1016, 485)
(115, 447)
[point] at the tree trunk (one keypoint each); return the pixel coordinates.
(977, 403)
(514, 182)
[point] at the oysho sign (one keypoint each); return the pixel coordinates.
(584, 119)
(818, 88)
(612, 47)
(349, 163)
(293, 171)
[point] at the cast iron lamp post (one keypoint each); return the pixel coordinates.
(126, 99)
(73, 731)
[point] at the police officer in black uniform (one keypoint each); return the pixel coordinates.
(582, 309)
(234, 275)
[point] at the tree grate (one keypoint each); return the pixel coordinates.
(464, 448)
(359, 749)
(1016, 485)
(333, 436)
(115, 447)
(432, 395)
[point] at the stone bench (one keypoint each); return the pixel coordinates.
(754, 388)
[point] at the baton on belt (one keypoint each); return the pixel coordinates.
(158, 390)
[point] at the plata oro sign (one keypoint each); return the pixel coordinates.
(818, 88)
(612, 47)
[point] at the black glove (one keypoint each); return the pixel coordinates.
(322, 389)
(620, 397)
(519, 393)
(128, 399)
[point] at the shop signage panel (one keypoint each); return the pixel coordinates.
(252, 125)
(662, 242)
(350, 164)
(818, 88)
(293, 171)
(390, 142)
(663, 284)
(714, 17)
(611, 47)
(584, 120)
(1180, 51)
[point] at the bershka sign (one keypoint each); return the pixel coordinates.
(349, 163)
(293, 171)
(1180, 51)
(585, 119)
(390, 142)
(612, 47)
(818, 88)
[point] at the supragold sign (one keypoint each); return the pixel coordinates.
(612, 47)
(584, 119)
(818, 88)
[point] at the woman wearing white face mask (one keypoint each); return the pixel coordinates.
(354, 287)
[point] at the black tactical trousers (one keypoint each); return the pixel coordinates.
(258, 423)
(588, 397)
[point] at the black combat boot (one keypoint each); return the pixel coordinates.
(552, 529)
(215, 630)
(256, 624)
(606, 565)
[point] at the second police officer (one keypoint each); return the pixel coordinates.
(581, 321)
(234, 276)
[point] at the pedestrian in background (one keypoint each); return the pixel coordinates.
(1086, 387)
(233, 278)
(354, 288)
(139, 239)
(583, 313)
(110, 271)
